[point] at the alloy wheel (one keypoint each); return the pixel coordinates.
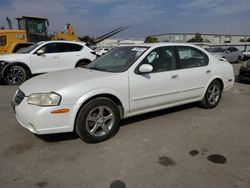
(14, 75)
(213, 94)
(100, 121)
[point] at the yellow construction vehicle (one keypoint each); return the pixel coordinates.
(34, 29)
(68, 33)
(30, 30)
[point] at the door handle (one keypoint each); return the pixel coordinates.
(208, 71)
(174, 76)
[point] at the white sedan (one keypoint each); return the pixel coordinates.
(125, 82)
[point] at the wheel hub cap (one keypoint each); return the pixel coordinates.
(100, 121)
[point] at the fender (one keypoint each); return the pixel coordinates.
(213, 78)
(9, 64)
(95, 92)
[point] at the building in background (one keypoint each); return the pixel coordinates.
(212, 38)
(120, 42)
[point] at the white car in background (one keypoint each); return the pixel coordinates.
(127, 81)
(246, 54)
(101, 50)
(231, 54)
(44, 57)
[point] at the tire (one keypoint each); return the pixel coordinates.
(212, 96)
(15, 75)
(82, 64)
(98, 120)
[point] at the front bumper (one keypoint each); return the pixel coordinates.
(244, 78)
(40, 120)
(244, 74)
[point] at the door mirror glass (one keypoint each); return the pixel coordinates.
(40, 52)
(145, 68)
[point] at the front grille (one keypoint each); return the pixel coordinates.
(19, 97)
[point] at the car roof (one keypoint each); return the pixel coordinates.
(161, 44)
(62, 41)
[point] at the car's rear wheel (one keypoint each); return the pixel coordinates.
(212, 96)
(15, 75)
(98, 120)
(82, 63)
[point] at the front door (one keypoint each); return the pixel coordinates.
(46, 62)
(158, 88)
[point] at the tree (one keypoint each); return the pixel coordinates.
(198, 38)
(151, 39)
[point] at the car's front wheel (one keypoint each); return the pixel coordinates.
(15, 75)
(98, 120)
(212, 96)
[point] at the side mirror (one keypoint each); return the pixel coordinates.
(39, 52)
(145, 68)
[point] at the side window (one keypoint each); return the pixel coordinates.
(234, 49)
(49, 48)
(191, 57)
(162, 59)
(67, 47)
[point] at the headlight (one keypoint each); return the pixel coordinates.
(44, 99)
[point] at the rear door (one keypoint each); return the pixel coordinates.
(69, 54)
(46, 62)
(194, 72)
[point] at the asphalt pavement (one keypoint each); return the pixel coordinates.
(183, 146)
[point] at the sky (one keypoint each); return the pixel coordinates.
(145, 17)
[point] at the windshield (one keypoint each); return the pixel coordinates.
(117, 60)
(217, 50)
(28, 49)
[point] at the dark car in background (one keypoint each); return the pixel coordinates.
(244, 74)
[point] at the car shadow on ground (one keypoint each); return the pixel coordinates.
(58, 137)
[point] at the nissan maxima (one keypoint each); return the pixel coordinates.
(125, 82)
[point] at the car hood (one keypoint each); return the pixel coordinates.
(12, 57)
(66, 80)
